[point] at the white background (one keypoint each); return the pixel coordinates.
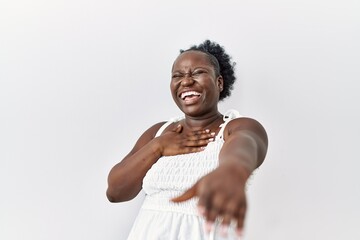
(81, 80)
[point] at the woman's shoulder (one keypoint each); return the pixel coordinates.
(242, 123)
(165, 126)
(147, 136)
(152, 131)
(160, 127)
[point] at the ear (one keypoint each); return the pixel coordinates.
(220, 83)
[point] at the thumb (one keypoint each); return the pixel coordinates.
(190, 193)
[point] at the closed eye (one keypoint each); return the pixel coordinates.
(176, 76)
(198, 72)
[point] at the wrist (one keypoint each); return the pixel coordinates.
(237, 168)
(156, 147)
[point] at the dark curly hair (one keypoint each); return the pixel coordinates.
(222, 64)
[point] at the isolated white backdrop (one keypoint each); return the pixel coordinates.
(81, 80)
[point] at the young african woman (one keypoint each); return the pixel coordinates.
(194, 168)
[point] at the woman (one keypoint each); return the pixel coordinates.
(193, 169)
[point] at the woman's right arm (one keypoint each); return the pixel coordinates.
(125, 178)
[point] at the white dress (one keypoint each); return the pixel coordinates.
(170, 176)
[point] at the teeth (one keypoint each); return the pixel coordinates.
(185, 94)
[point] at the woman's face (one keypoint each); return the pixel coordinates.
(194, 86)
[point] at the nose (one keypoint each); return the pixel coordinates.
(187, 80)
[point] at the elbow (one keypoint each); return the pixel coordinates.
(114, 191)
(122, 190)
(115, 196)
(111, 196)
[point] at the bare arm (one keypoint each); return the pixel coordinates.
(125, 178)
(245, 145)
(222, 192)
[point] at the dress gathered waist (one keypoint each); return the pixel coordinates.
(162, 202)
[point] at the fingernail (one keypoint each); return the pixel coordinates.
(211, 139)
(212, 134)
(208, 226)
(224, 230)
(239, 232)
(201, 210)
(207, 130)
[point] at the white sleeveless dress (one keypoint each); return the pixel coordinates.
(170, 176)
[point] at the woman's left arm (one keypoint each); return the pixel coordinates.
(222, 192)
(245, 144)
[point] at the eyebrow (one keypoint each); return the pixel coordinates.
(196, 68)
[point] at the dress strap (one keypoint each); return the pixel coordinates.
(228, 116)
(165, 125)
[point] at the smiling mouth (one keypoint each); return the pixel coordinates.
(189, 95)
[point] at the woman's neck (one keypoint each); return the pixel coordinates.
(201, 123)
